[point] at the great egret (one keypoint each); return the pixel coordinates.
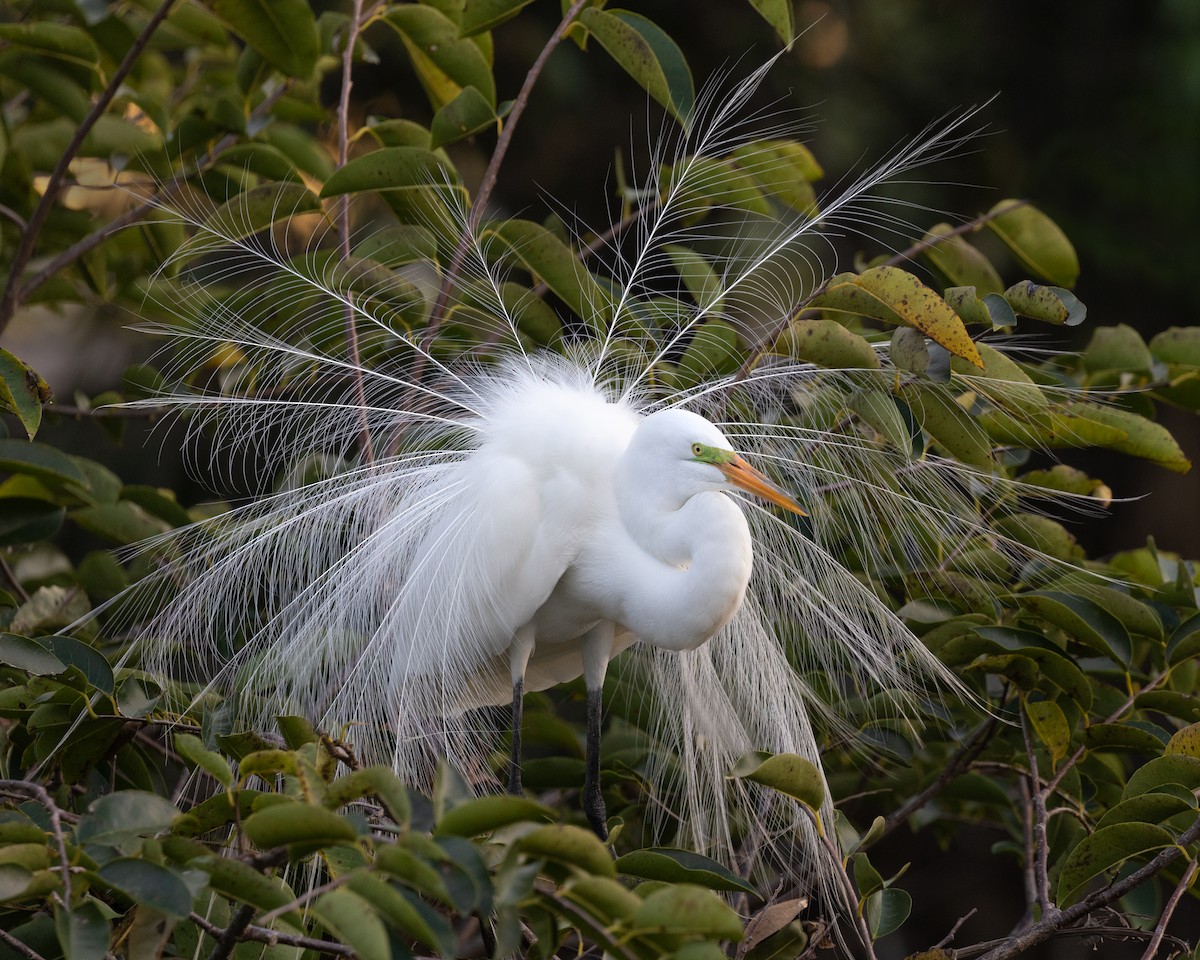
(601, 529)
(527, 514)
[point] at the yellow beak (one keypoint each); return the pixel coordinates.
(743, 476)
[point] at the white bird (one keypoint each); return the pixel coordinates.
(530, 514)
(598, 528)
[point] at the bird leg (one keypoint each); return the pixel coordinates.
(518, 660)
(593, 799)
(597, 648)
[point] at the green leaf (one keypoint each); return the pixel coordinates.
(896, 296)
(192, 749)
(944, 419)
(22, 391)
(1185, 641)
(574, 846)
(1185, 742)
(886, 910)
(237, 880)
(380, 782)
(1117, 348)
(714, 349)
(1050, 429)
(32, 656)
(828, 344)
(698, 276)
(1143, 438)
(122, 522)
(82, 931)
(259, 208)
(991, 310)
(1002, 381)
(1089, 624)
(58, 40)
(683, 908)
(1146, 808)
(14, 881)
(1105, 849)
(1048, 304)
(877, 407)
(1036, 241)
(1120, 736)
(959, 262)
(149, 885)
(1174, 768)
(789, 774)
(282, 31)
(1050, 724)
(76, 653)
(466, 114)
(681, 866)
(780, 15)
(124, 814)
(554, 263)
(485, 814)
(480, 15)
(355, 923)
(1178, 345)
(40, 461)
(395, 907)
(391, 168)
(444, 62)
(784, 169)
(647, 54)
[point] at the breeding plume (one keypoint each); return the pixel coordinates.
(475, 508)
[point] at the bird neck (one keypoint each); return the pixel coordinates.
(697, 565)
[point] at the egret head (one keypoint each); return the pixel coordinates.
(691, 448)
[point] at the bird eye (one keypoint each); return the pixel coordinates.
(697, 449)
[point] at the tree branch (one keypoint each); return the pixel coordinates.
(920, 246)
(1160, 928)
(1040, 843)
(274, 937)
(39, 793)
(958, 763)
(1049, 926)
(13, 290)
(14, 944)
(492, 173)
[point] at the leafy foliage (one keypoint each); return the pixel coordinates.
(132, 829)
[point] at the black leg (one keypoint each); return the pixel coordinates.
(514, 766)
(593, 799)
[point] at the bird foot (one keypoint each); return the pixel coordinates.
(593, 806)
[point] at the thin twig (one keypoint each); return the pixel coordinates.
(1100, 931)
(949, 938)
(343, 221)
(958, 763)
(14, 944)
(306, 897)
(1160, 928)
(232, 934)
(39, 793)
(133, 215)
(13, 288)
(262, 934)
(1074, 758)
(845, 883)
(971, 225)
(1041, 845)
(492, 173)
(1048, 926)
(11, 576)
